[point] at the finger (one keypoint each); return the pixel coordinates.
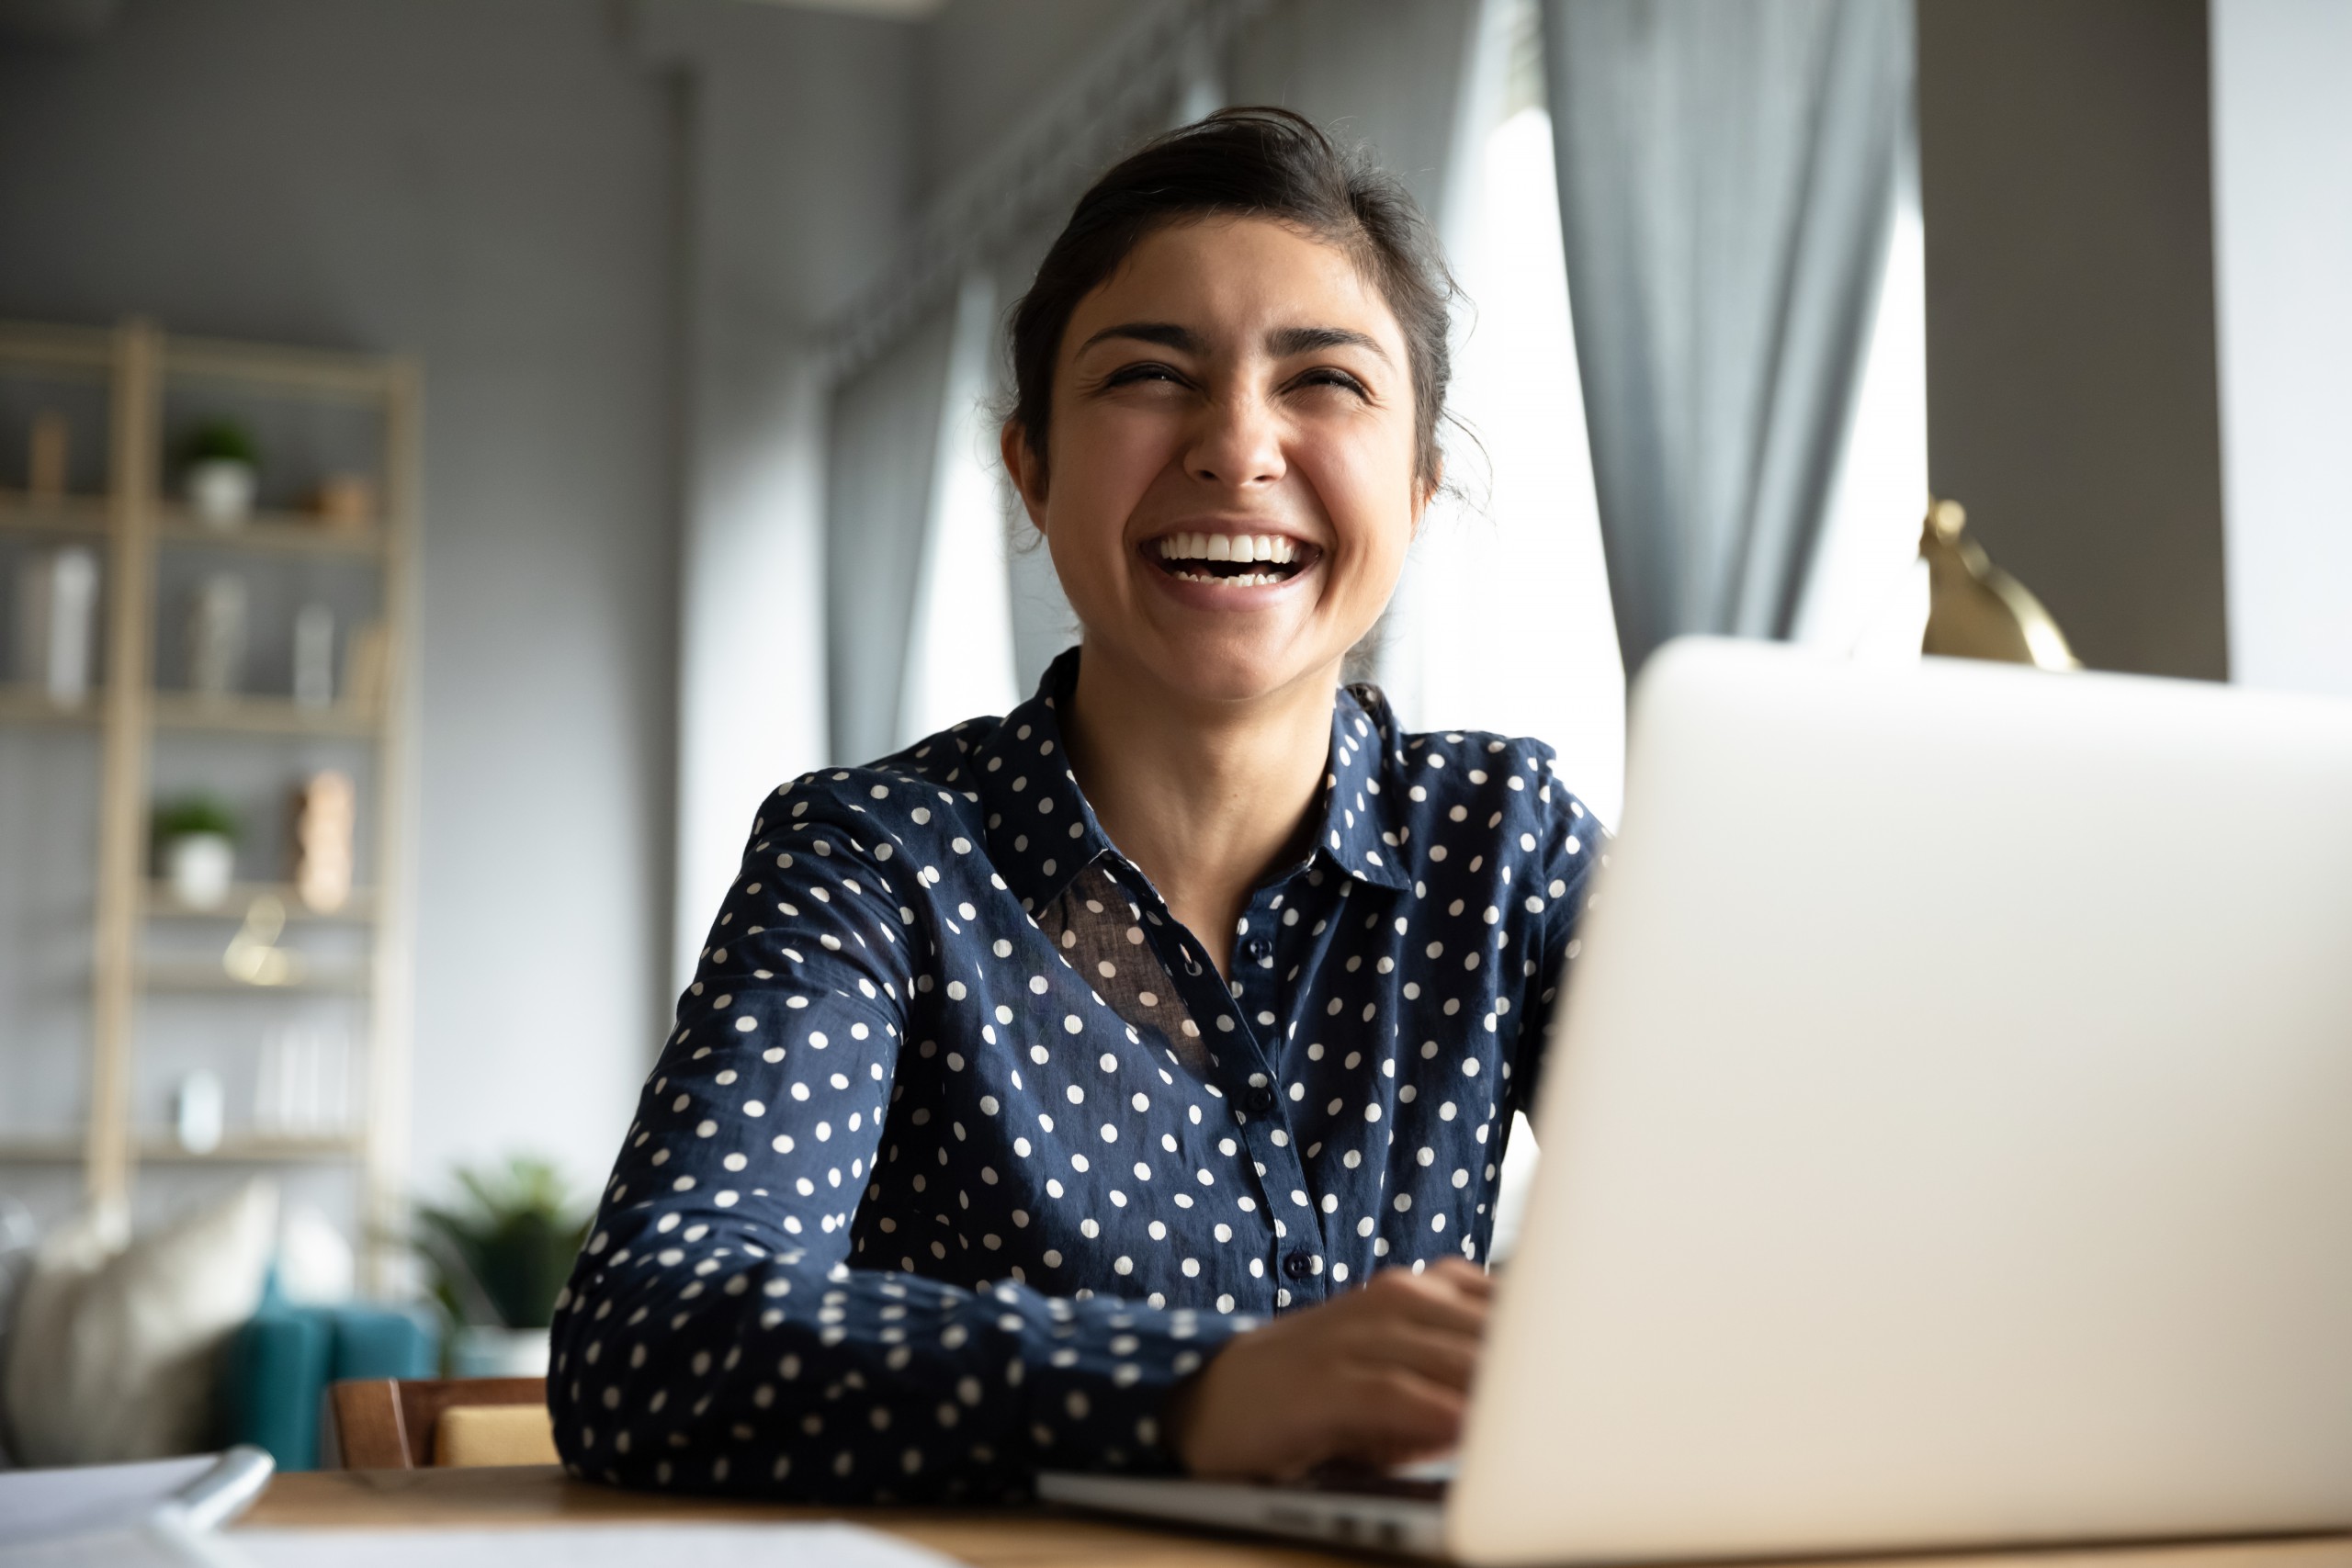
(1438, 1302)
(1444, 1355)
(1461, 1276)
(1396, 1411)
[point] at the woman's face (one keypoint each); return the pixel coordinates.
(1231, 488)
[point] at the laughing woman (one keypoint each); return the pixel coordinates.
(1121, 1084)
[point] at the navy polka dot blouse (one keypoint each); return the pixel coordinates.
(963, 1156)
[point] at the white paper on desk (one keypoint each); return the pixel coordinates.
(35, 1504)
(814, 1545)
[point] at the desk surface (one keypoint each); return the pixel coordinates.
(1021, 1538)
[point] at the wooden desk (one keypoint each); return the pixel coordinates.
(1011, 1538)
(537, 1495)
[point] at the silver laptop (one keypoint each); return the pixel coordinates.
(1947, 1141)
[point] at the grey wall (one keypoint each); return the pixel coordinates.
(2065, 177)
(490, 187)
(987, 65)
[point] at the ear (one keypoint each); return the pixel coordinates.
(1426, 491)
(1026, 469)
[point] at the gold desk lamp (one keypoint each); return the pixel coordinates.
(1977, 611)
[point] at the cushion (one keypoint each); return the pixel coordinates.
(17, 1236)
(115, 1346)
(494, 1434)
(275, 1376)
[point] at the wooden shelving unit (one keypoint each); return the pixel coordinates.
(134, 525)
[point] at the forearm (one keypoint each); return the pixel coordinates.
(773, 1374)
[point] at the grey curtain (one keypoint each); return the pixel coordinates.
(1727, 172)
(877, 512)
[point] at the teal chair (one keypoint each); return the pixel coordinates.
(275, 1370)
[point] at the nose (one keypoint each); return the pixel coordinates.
(1238, 444)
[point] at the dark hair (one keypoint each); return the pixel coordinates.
(1254, 163)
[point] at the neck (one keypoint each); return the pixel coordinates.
(1204, 798)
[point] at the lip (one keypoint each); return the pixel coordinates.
(1309, 557)
(1230, 596)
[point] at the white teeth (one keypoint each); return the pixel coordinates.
(1246, 580)
(1279, 548)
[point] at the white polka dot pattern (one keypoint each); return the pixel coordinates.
(909, 1210)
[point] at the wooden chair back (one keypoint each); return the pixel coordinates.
(388, 1424)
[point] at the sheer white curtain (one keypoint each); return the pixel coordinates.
(1727, 182)
(1503, 621)
(959, 653)
(1867, 594)
(878, 487)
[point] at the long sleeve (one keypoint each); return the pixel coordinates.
(1568, 843)
(715, 1335)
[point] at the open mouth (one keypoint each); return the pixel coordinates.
(1239, 560)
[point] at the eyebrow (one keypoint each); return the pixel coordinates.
(1287, 341)
(1283, 342)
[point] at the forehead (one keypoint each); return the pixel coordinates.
(1229, 277)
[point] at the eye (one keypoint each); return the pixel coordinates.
(1148, 370)
(1331, 375)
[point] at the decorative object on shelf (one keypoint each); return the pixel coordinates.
(315, 1264)
(498, 1262)
(313, 657)
(196, 1112)
(344, 503)
(303, 1087)
(196, 840)
(57, 608)
(364, 666)
(45, 465)
(253, 954)
(221, 470)
(326, 813)
(126, 452)
(216, 635)
(1977, 611)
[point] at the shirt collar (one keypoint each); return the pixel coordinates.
(1361, 832)
(1042, 832)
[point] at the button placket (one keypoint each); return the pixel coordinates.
(1248, 1069)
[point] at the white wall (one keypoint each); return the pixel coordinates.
(490, 187)
(2282, 239)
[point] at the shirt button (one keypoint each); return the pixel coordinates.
(1257, 949)
(1300, 1265)
(1261, 1099)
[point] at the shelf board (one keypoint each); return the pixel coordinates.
(21, 703)
(160, 904)
(74, 516)
(50, 347)
(259, 715)
(299, 372)
(251, 1150)
(346, 980)
(286, 533)
(245, 1150)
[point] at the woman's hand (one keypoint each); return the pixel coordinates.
(1379, 1376)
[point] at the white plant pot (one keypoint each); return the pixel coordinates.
(220, 491)
(201, 867)
(478, 1352)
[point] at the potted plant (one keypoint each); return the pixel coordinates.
(499, 1259)
(195, 840)
(220, 469)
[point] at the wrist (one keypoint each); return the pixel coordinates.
(1177, 1416)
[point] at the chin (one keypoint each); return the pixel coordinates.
(1233, 674)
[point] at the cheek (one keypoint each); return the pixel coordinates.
(1366, 492)
(1103, 464)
